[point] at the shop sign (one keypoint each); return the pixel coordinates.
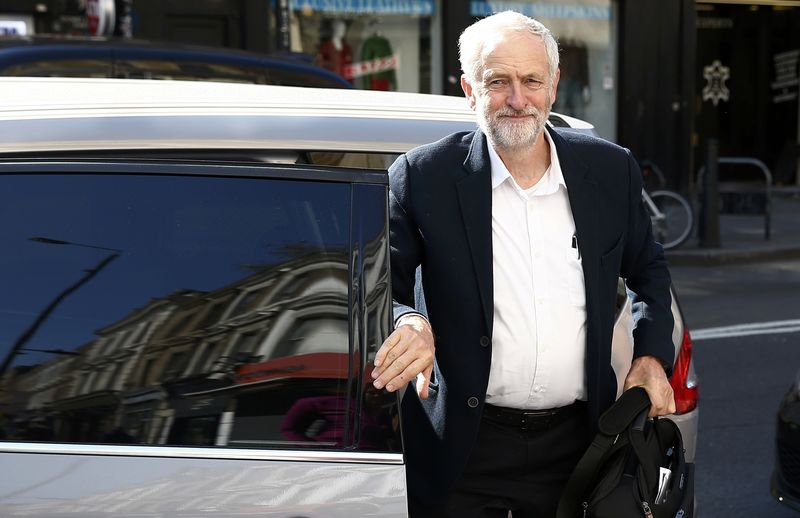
(413, 7)
(784, 88)
(567, 11)
(716, 90)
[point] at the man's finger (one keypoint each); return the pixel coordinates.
(392, 340)
(423, 382)
(393, 363)
(409, 373)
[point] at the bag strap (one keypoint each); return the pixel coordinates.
(613, 422)
(646, 448)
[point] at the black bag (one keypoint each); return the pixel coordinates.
(618, 476)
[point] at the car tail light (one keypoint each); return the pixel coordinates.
(684, 380)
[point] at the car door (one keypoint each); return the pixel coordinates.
(185, 339)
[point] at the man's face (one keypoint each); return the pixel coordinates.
(513, 98)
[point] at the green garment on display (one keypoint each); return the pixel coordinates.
(374, 48)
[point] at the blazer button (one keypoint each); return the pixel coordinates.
(472, 402)
(484, 341)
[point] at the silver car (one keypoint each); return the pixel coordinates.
(195, 282)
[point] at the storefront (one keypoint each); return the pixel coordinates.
(374, 44)
(747, 74)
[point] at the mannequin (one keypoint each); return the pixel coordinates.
(334, 52)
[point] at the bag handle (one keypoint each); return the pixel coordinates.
(631, 406)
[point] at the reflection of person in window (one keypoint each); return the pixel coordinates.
(335, 53)
(318, 419)
(322, 419)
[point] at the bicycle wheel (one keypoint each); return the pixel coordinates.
(678, 218)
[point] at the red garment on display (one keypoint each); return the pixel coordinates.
(335, 59)
(377, 83)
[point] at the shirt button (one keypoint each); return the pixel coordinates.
(537, 389)
(472, 402)
(484, 341)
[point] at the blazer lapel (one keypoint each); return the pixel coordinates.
(475, 197)
(582, 192)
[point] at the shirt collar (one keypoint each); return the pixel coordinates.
(550, 182)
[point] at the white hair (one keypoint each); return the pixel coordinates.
(474, 38)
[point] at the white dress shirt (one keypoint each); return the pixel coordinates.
(539, 330)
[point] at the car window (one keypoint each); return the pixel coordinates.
(377, 161)
(186, 71)
(60, 68)
(182, 310)
(297, 77)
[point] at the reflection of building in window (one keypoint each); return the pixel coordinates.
(320, 334)
(248, 341)
(214, 314)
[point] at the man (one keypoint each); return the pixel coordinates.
(521, 231)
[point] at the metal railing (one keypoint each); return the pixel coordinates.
(742, 187)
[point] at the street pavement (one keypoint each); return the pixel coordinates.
(742, 237)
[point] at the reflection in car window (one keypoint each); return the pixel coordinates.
(186, 71)
(175, 310)
(61, 68)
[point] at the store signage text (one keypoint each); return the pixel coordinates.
(414, 7)
(374, 66)
(569, 11)
(784, 88)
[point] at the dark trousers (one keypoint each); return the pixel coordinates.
(517, 469)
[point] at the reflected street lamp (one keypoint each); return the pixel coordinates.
(28, 334)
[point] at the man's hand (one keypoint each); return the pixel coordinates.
(407, 352)
(647, 372)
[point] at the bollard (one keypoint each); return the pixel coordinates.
(709, 213)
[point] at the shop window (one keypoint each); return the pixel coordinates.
(373, 47)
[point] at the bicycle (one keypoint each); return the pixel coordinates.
(670, 213)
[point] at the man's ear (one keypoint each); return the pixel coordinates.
(468, 91)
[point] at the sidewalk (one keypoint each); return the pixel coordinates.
(742, 236)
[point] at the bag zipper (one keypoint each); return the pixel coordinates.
(585, 509)
(646, 508)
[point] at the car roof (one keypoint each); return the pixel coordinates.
(70, 114)
(15, 50)
(42, 44)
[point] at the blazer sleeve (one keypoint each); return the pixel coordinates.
(404, 238)
(647, 278)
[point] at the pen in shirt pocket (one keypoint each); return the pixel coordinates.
(575, 246)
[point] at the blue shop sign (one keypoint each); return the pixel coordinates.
(414, 7)
(569, 11)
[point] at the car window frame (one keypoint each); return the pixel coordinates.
(348, 453)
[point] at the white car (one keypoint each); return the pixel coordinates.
(195, 282)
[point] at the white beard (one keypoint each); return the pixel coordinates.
(508, 134)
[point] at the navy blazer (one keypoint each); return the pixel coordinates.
(440, 207)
